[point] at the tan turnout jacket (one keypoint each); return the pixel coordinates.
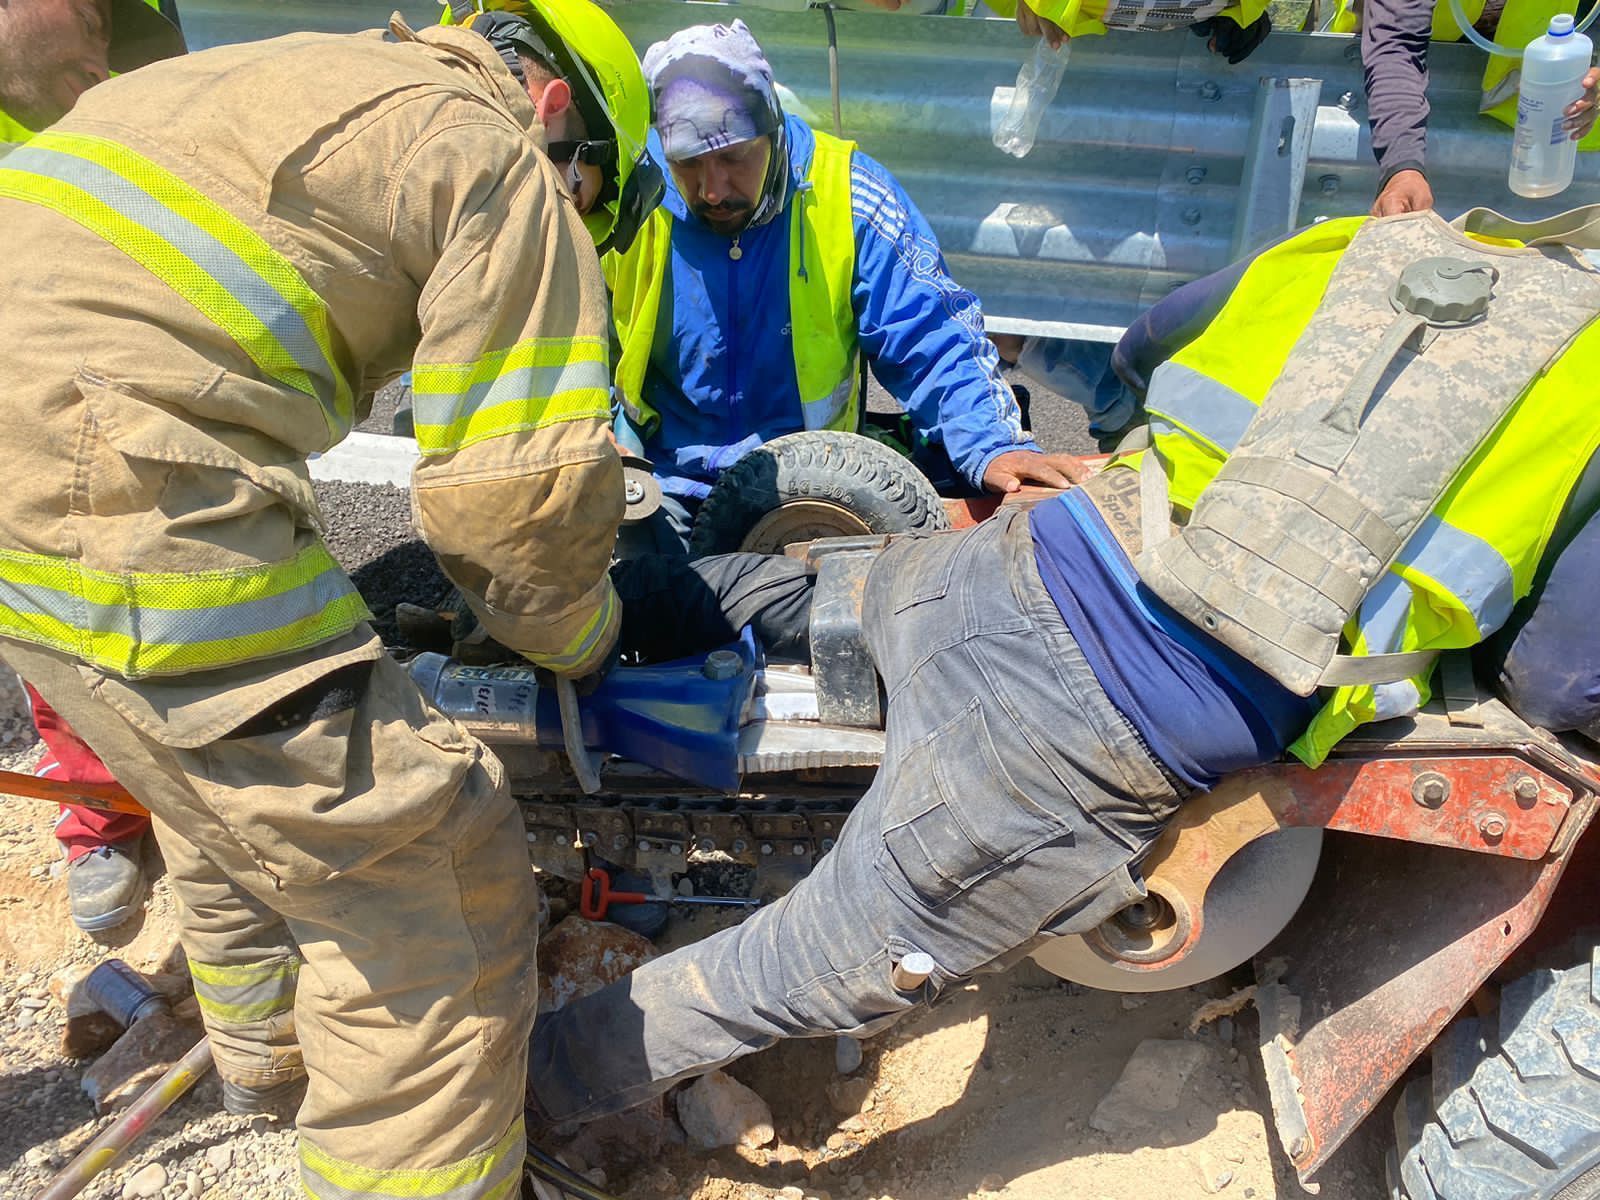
(207, 268)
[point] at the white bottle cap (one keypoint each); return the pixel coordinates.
(1561, 25)
(912, 971)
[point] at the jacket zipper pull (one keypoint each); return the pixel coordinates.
(733, 251)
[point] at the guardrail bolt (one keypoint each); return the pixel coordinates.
(644, 845)
(1300, 1147)
(1210, 91)
(1330, 184)
(1430, 789)
(1347, 101)
(798, 849)
(532, 836)
(1195, 175)
(766, 848)
(1527, 789)
(1493, 826)
(1353, 50)
(620, 842)
(1191, 216)
(740, 845)
(706, 845)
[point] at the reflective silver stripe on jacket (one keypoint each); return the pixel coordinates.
(216, 259)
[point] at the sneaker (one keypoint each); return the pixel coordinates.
(105, 886)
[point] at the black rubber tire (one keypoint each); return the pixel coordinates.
(1511, 1110)
(880, 487)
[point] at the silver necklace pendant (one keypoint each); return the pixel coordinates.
(734, 252)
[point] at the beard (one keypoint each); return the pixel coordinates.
(730, 216)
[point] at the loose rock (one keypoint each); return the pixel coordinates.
(145, 1183)
(140, 1057)
(992, 1182)
(578, 957)
(846, 1055)
(1151, 1084)
(717, 1110)
(848, 1095)
(219, 1157)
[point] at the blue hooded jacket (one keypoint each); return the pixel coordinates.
(721, 373)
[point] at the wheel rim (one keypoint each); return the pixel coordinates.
(1584, 1187)
(1249, 903)
(801, 521)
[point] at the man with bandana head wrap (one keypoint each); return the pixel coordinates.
(779, 256)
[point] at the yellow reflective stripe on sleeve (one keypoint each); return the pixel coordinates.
(494, 1174)
(241, 993)
(595, 633)
(161, 623)
(227, 271)
(534, 384)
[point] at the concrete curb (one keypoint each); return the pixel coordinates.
(368, 458)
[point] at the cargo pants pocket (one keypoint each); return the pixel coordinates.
(953, 814)
(324, 780)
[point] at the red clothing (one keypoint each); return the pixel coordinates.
(67, 756)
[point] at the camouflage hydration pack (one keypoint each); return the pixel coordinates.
(1421, 346)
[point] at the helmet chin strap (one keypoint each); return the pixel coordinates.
(775, 186)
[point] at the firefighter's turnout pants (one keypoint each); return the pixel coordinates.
(1012, 803)
(355, 901)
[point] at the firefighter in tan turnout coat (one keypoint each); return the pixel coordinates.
(204, 270)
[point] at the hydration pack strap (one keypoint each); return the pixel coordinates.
(1577, 227)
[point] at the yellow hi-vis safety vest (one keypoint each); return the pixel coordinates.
(1457, 578)
(12, 133)
(1081, 18)
(1520, 22)
(822, 258)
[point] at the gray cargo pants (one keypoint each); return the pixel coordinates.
(1011, 805)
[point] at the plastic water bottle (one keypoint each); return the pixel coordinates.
(1543, 154)
(1037, 83)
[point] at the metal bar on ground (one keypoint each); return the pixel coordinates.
(131, 1125)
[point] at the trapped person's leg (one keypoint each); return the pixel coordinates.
(674, 606)
(665, 531)
(384, 837)
(1012, 800)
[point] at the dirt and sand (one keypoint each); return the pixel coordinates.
(989, 1092)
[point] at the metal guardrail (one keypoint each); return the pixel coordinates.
(1156, 164)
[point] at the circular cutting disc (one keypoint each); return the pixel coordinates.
(641, 492)
(1247, 905)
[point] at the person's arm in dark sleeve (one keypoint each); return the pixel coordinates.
(1171, 323)
(1551, 673)
(1394, 56)
(923, 332)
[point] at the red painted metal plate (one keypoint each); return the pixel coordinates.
(1492, 804)
(1391, 941)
